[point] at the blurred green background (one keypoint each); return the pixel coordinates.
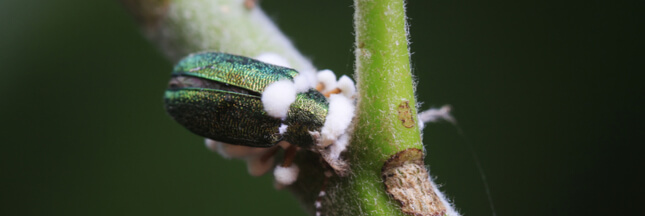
(548, 93)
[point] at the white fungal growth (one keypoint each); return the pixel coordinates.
(274, 59)
(304, 81)
(346, 86)
(277, 97)
(339, 117)
(286, 175)
(338, 147)
(328, 80)
(333, 138)
(435, 115)
(283, 128)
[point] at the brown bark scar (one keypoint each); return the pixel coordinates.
(407, 181)
(405, 114)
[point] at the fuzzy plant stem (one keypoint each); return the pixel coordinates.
(386, 154)
(240, 27)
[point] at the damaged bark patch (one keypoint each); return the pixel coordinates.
(407, 181)
(405, 114)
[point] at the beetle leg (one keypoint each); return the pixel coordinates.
(320, 87)
(322, 194)
(333, 91)
(289, 155)
(269, 154)
(287, 172)
(257, 166)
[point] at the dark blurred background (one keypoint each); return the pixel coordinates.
(548, 93)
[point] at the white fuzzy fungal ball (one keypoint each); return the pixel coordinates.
(328, 79)
(277, 97)
(346, 86)
(304, 82)
(339, 117)
(339, 147)
(283, 129)
(286, 175)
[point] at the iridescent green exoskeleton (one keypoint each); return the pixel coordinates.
(218, 96)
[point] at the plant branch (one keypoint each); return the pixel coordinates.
(181, 27)
(385, 90)
(384, 82)
(386, 154)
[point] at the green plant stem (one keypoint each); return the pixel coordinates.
(384, 82)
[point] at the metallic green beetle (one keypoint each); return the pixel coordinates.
(218, 96)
